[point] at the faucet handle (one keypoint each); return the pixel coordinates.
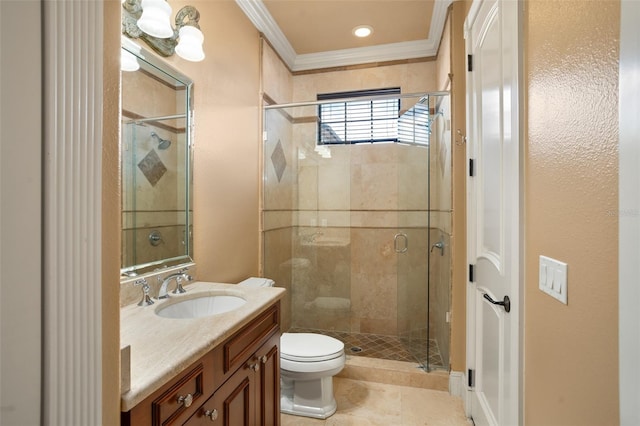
(179, 279)
(146, 300)
(143, 282)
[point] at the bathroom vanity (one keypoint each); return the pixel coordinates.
(222, 368)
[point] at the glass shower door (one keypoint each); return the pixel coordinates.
(411, 246)
(422, 242)
(440, 202)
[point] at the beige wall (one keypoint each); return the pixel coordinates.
(443, 60)
(111, 216)
(571, 179)
(277, 81)
(226, 178)
(413, 78)
(451, 74)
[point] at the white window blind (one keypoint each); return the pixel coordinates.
(348, 122)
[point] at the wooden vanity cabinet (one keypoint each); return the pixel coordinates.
(251, 397)
(236, 383)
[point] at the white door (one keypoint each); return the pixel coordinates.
(493, 358)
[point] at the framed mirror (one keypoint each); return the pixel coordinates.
(156, 162)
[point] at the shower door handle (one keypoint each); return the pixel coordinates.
(396, 242)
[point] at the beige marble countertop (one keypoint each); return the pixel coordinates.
(162, 348)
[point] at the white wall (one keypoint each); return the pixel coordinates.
(629, 213)
(20, 210)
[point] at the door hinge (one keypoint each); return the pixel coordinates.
(469, 62)
(471, 380)
(472, 273)
(472, 171)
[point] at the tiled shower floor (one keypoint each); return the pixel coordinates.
(382, 347)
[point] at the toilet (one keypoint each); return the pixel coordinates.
(308, 362)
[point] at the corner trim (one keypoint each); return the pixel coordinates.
(258, 14)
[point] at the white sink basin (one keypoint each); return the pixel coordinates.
(203, 306)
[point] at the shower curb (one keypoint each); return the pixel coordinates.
(394, 373)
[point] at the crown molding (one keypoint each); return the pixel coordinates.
(363, 55)
(257, 12)
(438, 18)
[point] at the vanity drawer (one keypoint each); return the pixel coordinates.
(164, 407)
(238, 349)
(177, 400)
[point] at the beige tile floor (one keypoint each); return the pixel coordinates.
(363, 403)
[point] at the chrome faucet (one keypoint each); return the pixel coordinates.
(179, 277)
(146, 300)
(439, 245)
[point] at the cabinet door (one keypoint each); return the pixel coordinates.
(268, 386)
(233, 404)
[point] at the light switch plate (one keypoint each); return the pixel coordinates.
(553, 278)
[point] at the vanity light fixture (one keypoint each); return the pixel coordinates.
(150, 21)
(362, 31)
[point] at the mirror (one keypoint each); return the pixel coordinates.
(156, 160)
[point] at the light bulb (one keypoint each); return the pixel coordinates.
(190, 45)
(155, 19)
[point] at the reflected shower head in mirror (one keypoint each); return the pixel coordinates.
(162, 143)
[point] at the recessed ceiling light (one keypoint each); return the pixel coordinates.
(362, 31)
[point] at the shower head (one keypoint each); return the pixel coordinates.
(162, 143)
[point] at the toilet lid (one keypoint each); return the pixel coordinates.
(309, 347)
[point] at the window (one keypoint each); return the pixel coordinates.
(358, 121)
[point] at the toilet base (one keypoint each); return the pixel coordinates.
(309, 398)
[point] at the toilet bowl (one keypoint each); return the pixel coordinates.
(308, 362)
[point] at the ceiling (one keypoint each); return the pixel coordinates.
(312, 34)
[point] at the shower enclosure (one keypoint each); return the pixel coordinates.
(359, 232)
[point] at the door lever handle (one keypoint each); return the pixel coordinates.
(505, 303)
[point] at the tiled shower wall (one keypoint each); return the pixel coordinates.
(279, 205)
(330, 225)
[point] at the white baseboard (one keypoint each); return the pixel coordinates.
(457, 384)
(458, 387)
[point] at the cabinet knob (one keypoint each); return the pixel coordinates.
(185, 400)
(211, 414)
(263, 359)
(255, 367)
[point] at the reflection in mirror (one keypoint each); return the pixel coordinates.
(156, 164)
